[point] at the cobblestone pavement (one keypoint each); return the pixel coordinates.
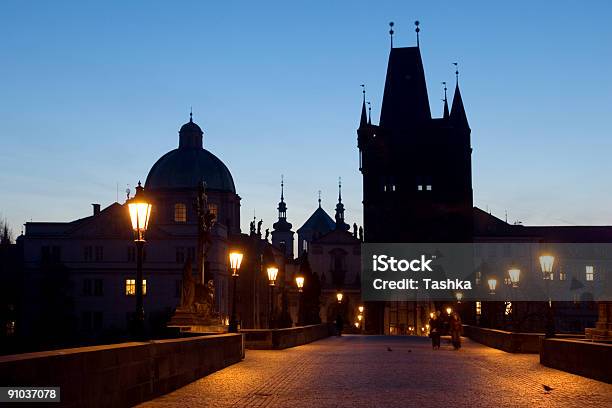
(359, 371)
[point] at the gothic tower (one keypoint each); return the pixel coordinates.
(417, 175)
(417, 172)
(282, 236)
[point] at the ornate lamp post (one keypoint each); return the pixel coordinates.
(299, 282)
(449, 310)
(515, 275)
(140, 211)
(339, 296)
(546, 264)
(235, 259)
(272, 273)
(492, 285)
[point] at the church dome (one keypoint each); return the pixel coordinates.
(190, 164)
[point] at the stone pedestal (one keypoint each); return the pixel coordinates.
(603, 327)
(189, 321)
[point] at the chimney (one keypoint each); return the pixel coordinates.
(96, 209)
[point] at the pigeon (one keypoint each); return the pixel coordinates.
(389, 349)
(547, 388)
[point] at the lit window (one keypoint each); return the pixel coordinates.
(590, 272)
(508, 308)
(393, 187)
(180, 212)
(428, 188)
(420, 187)
(478, 308)
(130, 287)
(562, 275)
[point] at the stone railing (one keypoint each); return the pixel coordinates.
(582, 357)
(504, 340)
(122, 375)
(284, 338)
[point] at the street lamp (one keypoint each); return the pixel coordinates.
(459, 296)
(515, 275)
(359, 317)
(449, 310)
(546, 263)
(140, 211)
(360, 309)
(492, 285)
(339, 296)
(235, 259)
(299, 282)
(272, 273)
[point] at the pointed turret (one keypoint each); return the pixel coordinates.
(282, 236)
(446, 114)
(457, 114)
(363, 122)
(340, 224)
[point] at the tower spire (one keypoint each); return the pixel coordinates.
(340, 224)
(364, 119)
(418, 30)
(191, 114)
(319, 198)
(446, 114)
(369, 112)
(282, 189)
(457, 114)
(391, 32)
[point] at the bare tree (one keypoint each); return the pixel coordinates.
(6, 234)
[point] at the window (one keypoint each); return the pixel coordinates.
(180, 255)
(99, 253)
(562, 275)
(130, 287)
(88, 253)
(131, 254)
(428, 187)
(98, 288)
(420, 187)
(590, 272)
(87, 287)
(191, 253)
(180, 212)
(478, 308)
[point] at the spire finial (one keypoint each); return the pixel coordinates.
(444, 83)
(456, 64)
(369, 112)
(363, 91)
(191, 114)
(339, 189)
(282, 188)
(418, 30)
(391, 32)
(319, 198)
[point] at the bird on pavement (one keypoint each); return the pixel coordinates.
(547, 388)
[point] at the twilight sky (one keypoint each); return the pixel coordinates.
(92, 94)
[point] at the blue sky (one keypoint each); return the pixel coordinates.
(93, 93)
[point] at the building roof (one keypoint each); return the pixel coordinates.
(405, 100)
(319, 222)
(190, 164)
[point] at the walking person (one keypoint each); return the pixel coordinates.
(434, 331)
(456, 329)
(339, 325)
